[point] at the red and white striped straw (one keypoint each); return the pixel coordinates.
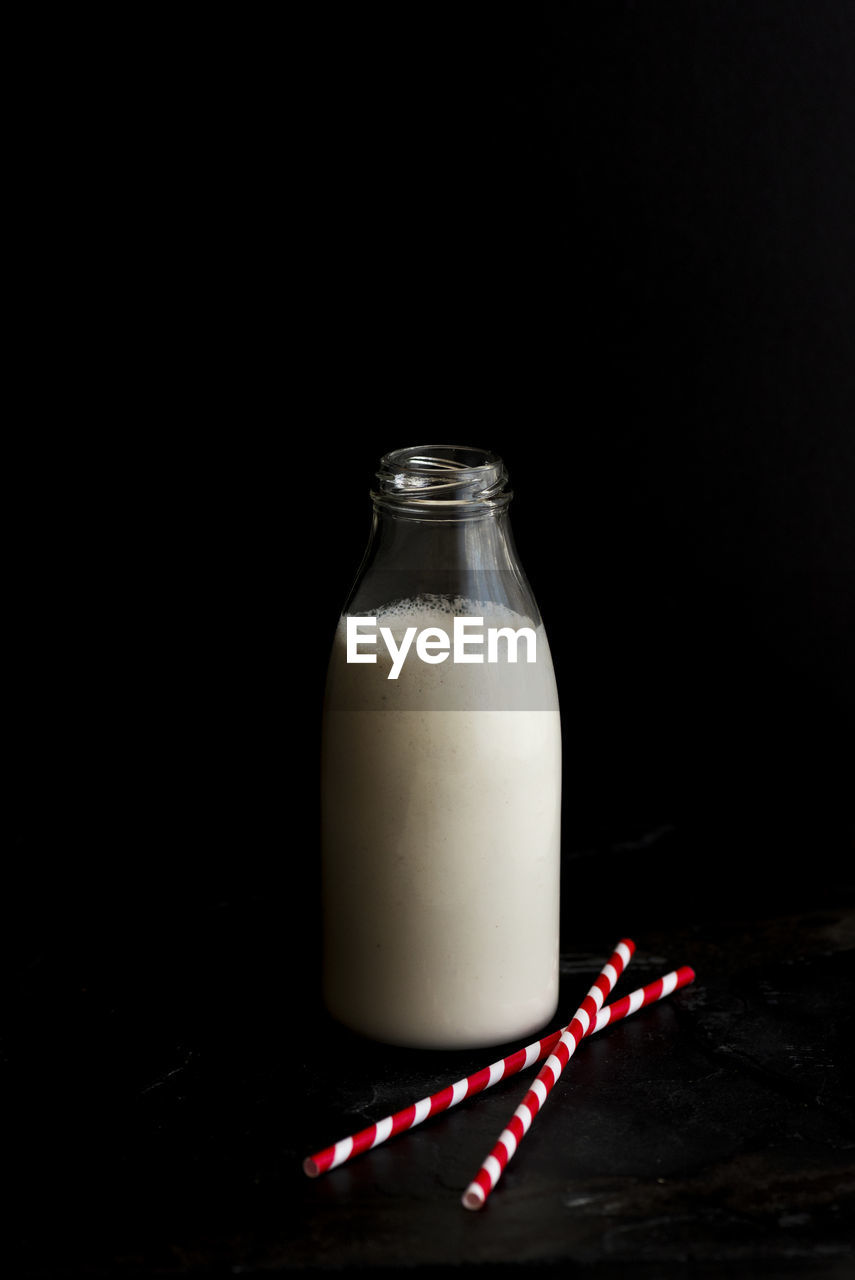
(415, 1113)
(581, 1025)
(451, 1095)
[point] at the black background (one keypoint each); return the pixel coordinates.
(612, 243)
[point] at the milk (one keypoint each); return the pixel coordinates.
(441, 798)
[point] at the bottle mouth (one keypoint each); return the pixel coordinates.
(442, 479)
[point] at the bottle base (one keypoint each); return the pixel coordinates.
(445, 1039)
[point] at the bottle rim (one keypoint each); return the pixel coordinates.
(449, 480)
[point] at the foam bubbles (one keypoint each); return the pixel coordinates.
(447, 685)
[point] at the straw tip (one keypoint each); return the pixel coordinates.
(310, 1169)
(628, 943)
(473, 1198)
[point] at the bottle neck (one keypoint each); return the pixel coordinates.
(443, 507)
(476, 541)
(441, 528)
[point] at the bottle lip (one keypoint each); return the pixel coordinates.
(442, 480)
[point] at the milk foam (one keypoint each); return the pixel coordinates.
(448, 685)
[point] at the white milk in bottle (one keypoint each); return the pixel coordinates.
(441, 774)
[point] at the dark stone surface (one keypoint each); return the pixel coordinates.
(166, 1076)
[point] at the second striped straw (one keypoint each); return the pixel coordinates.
(581, 1024)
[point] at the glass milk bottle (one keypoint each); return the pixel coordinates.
(441, 770)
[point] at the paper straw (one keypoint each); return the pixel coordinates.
(417, 1112)
(509, 1139)
(486, 1077)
